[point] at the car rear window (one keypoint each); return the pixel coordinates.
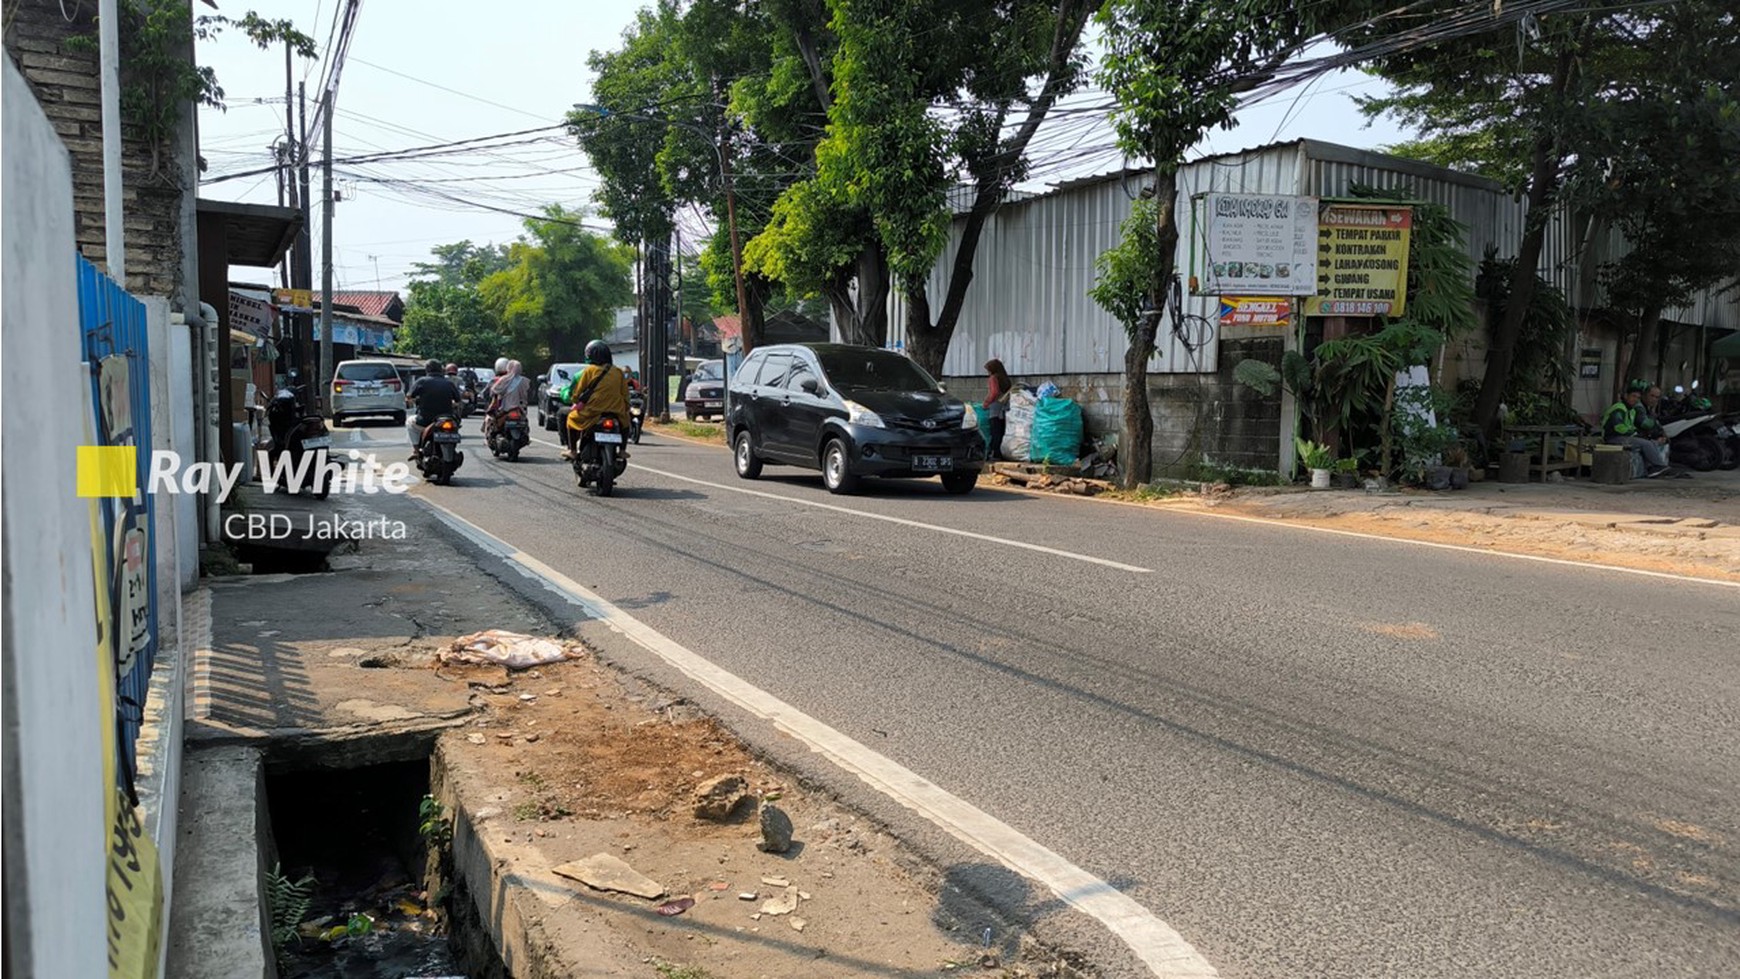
(874, 370)
(367, 372)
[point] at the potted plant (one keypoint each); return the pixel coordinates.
(1346, 473)
(1317, 458)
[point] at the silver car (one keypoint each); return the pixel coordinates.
(367, 387)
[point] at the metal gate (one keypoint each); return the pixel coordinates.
(112, 322)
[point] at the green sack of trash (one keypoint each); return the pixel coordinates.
(1057, 431)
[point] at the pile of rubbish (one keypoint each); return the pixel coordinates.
(496, 647)
(1046, 428)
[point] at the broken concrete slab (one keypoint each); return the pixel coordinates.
(785, 902)
(717, 798)
(604, 872)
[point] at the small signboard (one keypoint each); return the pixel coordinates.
(1257, 243)
(1256, 311)
(1589, 364)
(250, 315)
(1362, 260)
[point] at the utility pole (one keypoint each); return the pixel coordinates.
(303, 272)
(736, 247)
(109, 51)
(326, 364)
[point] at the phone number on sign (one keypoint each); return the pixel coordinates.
(1354, 308)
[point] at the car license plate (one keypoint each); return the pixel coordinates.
(933, 464)
(319, 443)
(712, 404)
(614, 438)
(446, 436)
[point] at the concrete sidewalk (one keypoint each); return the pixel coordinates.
(536, 769)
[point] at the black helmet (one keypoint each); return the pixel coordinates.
(598, 353)
(432, 368)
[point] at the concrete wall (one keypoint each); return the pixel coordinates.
(53, 770)
(65, 81)
(1198, 418)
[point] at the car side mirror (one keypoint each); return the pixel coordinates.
(542, 378)
(810, 385)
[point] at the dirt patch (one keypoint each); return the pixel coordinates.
(1401, 630)
(574, 759)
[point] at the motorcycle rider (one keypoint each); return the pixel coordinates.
(434, 395)
(605, 391)
(506, 392)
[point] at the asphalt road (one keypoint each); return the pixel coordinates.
(1313, 756)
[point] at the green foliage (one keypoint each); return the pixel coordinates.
(562, 287)
(1126, 273)
(1356, 375)
(1540, 376)
(159, 79)
(450, 323)
(287, 904)
(1213, 472)
(1258, 375)
(1420, 421)
(463, 263)
(433, 824)
(1313, 455)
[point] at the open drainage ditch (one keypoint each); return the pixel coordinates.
(363, 887)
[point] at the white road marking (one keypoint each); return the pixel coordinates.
(1024, 545)
(1162, 949)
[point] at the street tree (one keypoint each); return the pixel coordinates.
(1600, 109)
(1655, 159)
(927, 96)
(562, 287)
(449, 322)
(1176, 69)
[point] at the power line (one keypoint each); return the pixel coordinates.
(444, 88)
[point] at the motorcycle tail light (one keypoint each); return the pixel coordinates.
(447, 426)
(609, 424)
(516, 414)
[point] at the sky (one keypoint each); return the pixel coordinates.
(421, 72)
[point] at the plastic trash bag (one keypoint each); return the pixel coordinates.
(496, 647)
(1018, 425)
(1057, 432)
(1048, 390)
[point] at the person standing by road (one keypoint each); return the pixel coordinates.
(997, 404)
(1619, 427)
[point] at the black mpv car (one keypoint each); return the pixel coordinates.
(850, 412)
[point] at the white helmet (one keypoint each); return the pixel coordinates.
(501, 365)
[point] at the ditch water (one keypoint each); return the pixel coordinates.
(359, 891)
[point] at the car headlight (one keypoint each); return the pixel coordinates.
(857, 414)
(969, 418)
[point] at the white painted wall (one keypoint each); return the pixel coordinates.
(53, 791)
(186, 442)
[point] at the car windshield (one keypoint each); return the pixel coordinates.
(711, 370)
(874, 370)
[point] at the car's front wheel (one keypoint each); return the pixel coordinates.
(960, 484)
(837, 473)
(748, 465)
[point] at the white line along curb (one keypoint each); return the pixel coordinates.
(1162, 949)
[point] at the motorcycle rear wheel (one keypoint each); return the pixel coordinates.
(606, 469)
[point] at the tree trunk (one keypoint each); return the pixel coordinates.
(926, 346)
(1543, 185)
(1642, 362)
(1136, 444)
(756, 289)
(1502, 353)
(873, 285)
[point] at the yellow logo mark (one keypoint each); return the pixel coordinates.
(109, 470)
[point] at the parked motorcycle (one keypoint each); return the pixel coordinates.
(1698, 438)
(510, 432)
(603, 455)
(439, 457)
(295, 430)
(636, 415)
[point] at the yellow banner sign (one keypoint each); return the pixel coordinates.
(1362, 260)
(294, 297)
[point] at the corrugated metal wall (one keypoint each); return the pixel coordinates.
(1028, 303)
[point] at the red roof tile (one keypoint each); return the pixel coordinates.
(371, 303)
